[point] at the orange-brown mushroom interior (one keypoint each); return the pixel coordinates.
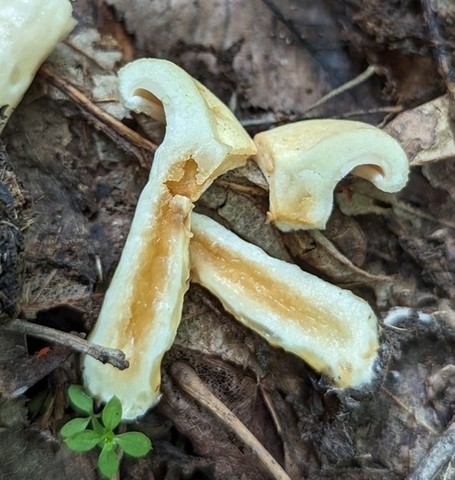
(270, 293)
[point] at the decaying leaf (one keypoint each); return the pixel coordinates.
(425, 132)
(271, 60)
(80, 174)
(318, 253)
(246, 216)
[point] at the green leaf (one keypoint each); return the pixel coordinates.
(73, 426)
(112, 413)
(96, 425)
(80, 400)
(83, 441)
(108, 461)
(135, 444)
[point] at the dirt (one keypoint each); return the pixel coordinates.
(69, 184)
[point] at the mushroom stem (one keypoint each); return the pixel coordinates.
(29, 31)
(142, 307)
(333, 330)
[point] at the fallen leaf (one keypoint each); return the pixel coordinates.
(425, 132)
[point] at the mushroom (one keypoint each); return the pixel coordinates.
(303, 162)
(142, 306)
(29, 31)
(333, 330)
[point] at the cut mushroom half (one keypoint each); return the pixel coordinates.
(331, 329)
(142, 307)
(29, 31)
(304, 161)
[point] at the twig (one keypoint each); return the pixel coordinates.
(410, 411)
(104, 354)
(266, 121)
(240, 188)
(420, 214)
(325, 243)
(437, 458)
(371, 111)
(369, 72)
(113, 128)
(82, 52)
(189, 381)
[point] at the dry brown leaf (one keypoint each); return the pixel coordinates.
(246, 216)
(266, 55)
(317, 253)
(425, 132)
(276, 56)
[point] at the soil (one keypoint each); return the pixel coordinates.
(70, 178)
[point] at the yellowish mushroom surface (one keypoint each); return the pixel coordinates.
(142, 307)
(304, 161)
(333, 330)
(29, 31)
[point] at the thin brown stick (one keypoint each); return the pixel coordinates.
(265, 121)
(239, 188)
(372, 111)
(410, 411)
(104, 354)
(437, 458)
(189, 382)
(124, 137)
(420, 214)
(325, 243)
(365, 75)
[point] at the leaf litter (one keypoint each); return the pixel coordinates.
(82, 184)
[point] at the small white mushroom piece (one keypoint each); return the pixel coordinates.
(29, 31)
(142, 307)
(304, 161)
(331, 329)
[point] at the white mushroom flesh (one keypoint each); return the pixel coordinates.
(304, 161)
(29, 31)
(142, 307)
(333, 330)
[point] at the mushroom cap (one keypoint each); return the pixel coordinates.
(198, 124)
(304, 161)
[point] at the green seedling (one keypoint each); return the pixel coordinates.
(97, 430)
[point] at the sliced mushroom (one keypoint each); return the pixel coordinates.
(303, 162)
(29, 31)
(333, 330)
(142, 307)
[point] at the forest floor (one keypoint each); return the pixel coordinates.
(69, 184)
